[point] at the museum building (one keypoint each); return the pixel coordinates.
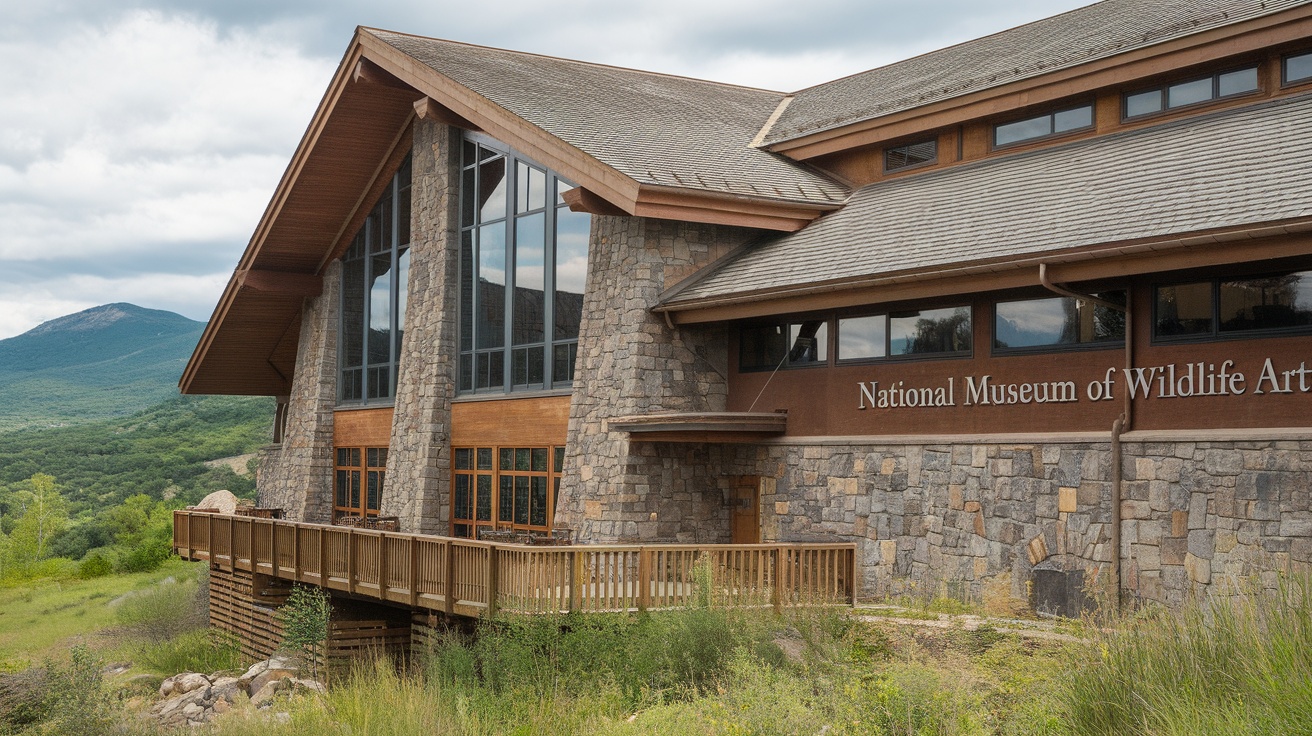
(1041, 301)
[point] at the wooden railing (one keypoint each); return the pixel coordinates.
(471, 578)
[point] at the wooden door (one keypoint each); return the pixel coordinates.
(745, 516)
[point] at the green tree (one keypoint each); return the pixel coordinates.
(304, 618)
(41, 514)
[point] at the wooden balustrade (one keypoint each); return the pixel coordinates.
(474, 578)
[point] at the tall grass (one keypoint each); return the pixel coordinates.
(1235, 664)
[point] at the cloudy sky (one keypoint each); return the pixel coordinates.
(140, 140)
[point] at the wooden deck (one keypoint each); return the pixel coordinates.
(470, 578)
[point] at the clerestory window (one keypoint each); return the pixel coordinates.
(523, 263)
(375, 270)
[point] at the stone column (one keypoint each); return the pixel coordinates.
(631, 362)
(419, 462)
(298, 478)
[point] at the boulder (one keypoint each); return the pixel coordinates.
(222, 501)
(225, 689)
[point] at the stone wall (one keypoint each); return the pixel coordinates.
(631, 362)
(418, 465)
(298, 475)
(973, 519)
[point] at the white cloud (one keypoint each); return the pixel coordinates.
(152, 137)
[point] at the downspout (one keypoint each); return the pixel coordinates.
(1121, 425)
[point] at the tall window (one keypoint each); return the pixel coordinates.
(512, 488)
(374, 274)
(523, 261)
(358, 487)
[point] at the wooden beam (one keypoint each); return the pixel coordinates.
(370, 73)
(428, 109)
(280, 282)
(582, 199)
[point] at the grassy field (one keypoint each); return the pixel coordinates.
(40, 620)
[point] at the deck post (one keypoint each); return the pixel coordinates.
(382, 566)
(209, 537)
(414, 572)
(296, 553)
(492, 580)
(644, 572)
(323, 559)
(273, 546)
(576, 579)
(449, 585)
(778, 595)
(350, 559)
(232, 543)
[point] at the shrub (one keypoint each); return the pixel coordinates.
(94, 565)
(193, 651)
(76, 699)
(304, 618)
(163, 611)
(22, 698)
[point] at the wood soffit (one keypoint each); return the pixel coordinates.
(1218, 43)
(1109, 260)
(723, 426)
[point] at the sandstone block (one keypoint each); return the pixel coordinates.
(1067, 499)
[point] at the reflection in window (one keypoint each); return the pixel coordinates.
(766, 347)
(1267, 303)
(1055, 321)
(863, 337)
(375, 273)
(523, 261)
(1062, 121)
(929, 331)
(1191, 92)
(912, 154)
(1298, 68)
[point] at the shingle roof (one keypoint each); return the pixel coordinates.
(1076, 37)
(654, 128)
(1232, 168)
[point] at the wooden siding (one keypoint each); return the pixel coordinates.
(362, 427)
(540, 421)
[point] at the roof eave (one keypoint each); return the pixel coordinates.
(1106, 260)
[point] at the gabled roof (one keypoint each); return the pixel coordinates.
(656, 129)
(1076, 37)
(1239, 167)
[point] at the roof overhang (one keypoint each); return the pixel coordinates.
(720, 426)
(1248, 36)
(1288, 239)
(358, 136)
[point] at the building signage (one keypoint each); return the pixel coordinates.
(1170, 381)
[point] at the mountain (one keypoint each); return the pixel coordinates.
(105, 362)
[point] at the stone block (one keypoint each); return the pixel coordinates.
(1067, 499)
(1202, 543)
(1198, 511)
(971, 507)
(979, 523)
(1179, 523)
(954, 498)
(1198, 569)
(1145, 468)
(1223, 462)
(1037, 550)
(1174, 550)
(1299, 526)
(1136, 510)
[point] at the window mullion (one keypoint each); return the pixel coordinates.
(508, 327)
(549, 285)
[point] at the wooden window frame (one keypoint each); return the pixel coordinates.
(553, 473)
(371, 461)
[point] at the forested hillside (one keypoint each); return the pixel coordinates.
(109, 361)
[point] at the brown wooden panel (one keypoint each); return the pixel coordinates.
(536, 421)
(362, 427)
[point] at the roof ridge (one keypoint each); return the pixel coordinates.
(934, 52)
(597, 64)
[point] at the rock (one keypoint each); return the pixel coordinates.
(221, 706)
(226, 689)
(188, 681)
(275, 668)
(222, 501)
(307, 684)
(265, 695)
(193, 712)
